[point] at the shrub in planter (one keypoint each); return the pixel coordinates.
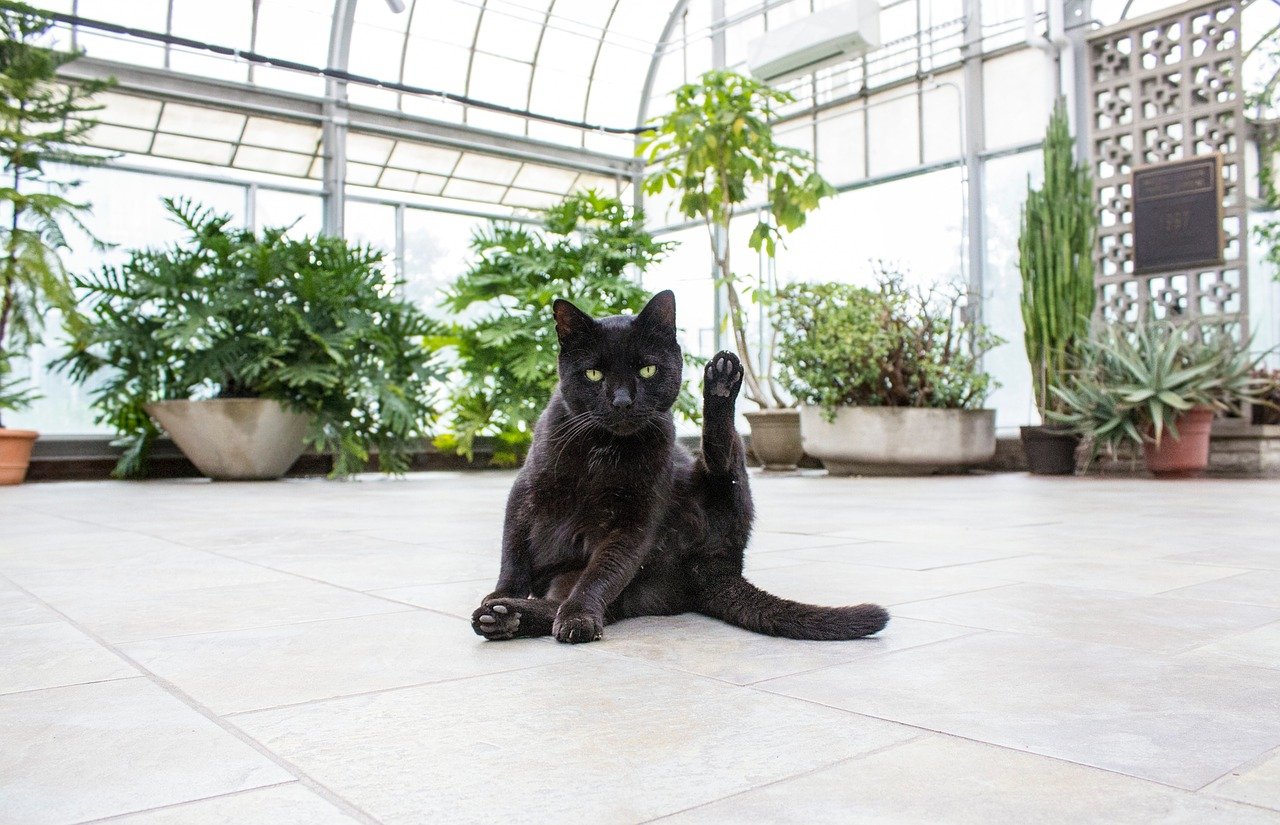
(889, 378)
(313, 323)
(1157, 386)
(503, 345)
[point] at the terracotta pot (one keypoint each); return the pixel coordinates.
(775, 438)
(234, 439)
(15, 454)
(1187, 455)
(1050, 451)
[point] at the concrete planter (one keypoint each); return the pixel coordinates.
(234, 439)
(898, 440)
(775, 438)
(15, 454)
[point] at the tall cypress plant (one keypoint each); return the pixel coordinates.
(42, 123)
(1059, 224)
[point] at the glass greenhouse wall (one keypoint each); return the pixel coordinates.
(411, 129)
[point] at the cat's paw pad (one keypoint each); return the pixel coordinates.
(575, 628)
(723, 375)
(496, 619)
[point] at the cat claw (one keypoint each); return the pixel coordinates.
(578, 628)
(723, 375)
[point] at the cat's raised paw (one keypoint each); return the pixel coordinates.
(576, 628)
(723, 376)
(497, 619)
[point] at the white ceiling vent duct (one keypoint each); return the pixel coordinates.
(822, 39)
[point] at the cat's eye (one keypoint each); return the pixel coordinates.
(595, 375)
(649, 371)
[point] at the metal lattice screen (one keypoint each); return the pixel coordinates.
(1163, 89)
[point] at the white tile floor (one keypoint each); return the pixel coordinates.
(1063, 650)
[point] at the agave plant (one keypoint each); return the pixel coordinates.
(1133, 384)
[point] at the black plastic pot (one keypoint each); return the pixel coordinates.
(1050, 451)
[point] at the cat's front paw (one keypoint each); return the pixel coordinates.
(577, 626)
(723, 376)
(496, 619)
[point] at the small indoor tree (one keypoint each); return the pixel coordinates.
(1059, 224)
(42, 125)
(716, 148)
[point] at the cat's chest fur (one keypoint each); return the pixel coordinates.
(595, 485)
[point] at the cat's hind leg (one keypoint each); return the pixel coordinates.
(513, 618)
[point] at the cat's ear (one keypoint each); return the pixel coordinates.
(570, 320)
(660, 312)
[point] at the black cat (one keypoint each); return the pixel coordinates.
(611, 518)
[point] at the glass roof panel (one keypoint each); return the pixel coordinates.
(294, 30)
(486, 168)
(193, 149)
(126, 110)
(215, 124)
(119, 138)
(270, 160)
(281, 134)
(498, 80)
(445, 21)
(421, 158)
(511, 37)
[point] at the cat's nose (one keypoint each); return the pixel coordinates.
(621, 398)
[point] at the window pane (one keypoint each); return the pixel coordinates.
(128, 213)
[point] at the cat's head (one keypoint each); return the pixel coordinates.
(623, 371)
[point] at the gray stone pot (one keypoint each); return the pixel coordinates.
(775, 438)
(234, 439)
(898, 440)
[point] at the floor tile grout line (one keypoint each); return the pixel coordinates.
(259, 627)
(173, 805)
(1252, 762)
(756, 685)
(70, 684)
(369, 593)
(379, 691)
(177, 693)
(936, 732)
(800, 775)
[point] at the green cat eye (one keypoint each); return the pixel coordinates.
(594, 375)
(648, 372)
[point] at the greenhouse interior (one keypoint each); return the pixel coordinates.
(867, 409)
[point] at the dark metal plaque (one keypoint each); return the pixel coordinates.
(1177, 215)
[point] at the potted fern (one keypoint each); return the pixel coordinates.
(1157, 387)
(42, 123)
(244, 347)
(1059, 221)
(717, 150)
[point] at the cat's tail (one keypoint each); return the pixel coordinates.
(739, 602)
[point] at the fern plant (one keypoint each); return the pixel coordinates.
(504, 343)
(43, 119)
(1059, 221)
(315, 323)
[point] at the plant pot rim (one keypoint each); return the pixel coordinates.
(772, 411)
(171, 401)
(895, 409)
(13, 432)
